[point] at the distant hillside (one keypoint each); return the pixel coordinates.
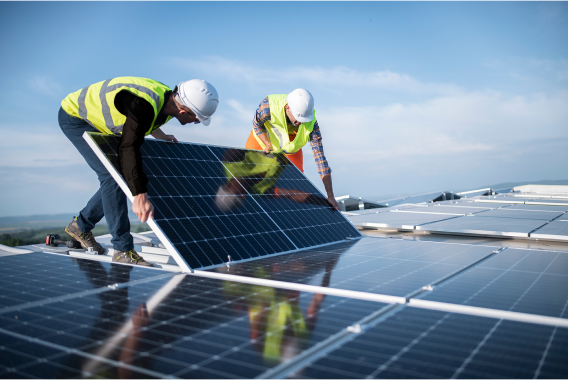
(40, 222)
(37, 236)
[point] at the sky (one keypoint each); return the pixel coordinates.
(411, 97)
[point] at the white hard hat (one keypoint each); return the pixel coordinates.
(226, 200)
(301, 104)
(200, 97)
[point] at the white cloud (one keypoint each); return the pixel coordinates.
(44, 85)
(558, 68)
(478, 123)
(336, 77)
(23, 146)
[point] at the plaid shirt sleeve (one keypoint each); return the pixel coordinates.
(317, 150)
(261, 116)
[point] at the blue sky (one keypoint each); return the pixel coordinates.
(410, 96)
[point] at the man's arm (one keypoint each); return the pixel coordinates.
(326, 179)
(322, 165)
(139, 115)
(261, 116)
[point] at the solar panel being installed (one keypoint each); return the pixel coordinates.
(215, 204)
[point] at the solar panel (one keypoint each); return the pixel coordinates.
(555, 230)
(397, 219)
(382, 266)
(548, 202)
(539, 207)
(479, 225)
(526, 281)
(450, 209)
(521, 214)
(215, 202)
(183, 326)
(431, 344)
(39, 277)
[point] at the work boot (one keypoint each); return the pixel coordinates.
(129, 257)
(85, 238)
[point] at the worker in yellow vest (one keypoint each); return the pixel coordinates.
(285, 123)
(133, 107)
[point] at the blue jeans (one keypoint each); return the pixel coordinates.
(109, 201)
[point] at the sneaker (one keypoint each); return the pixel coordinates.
(85, 238)
(129, 257)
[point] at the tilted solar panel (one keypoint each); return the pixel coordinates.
(215, 204)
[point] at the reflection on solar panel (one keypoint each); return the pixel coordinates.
(125, 321)
(213, 203)
(180, 325)
(371, 307)
(382, 266)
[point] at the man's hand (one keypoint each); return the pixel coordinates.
(266, 140)
(142, 207)
(333, 202)
(326, 179)
(160, 135)
(171, 138)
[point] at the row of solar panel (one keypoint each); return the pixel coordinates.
(469, 217)
(188, 326)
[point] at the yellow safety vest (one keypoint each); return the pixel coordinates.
(255, 163)
(95, 103)
(277, 128)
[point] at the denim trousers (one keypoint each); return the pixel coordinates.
(109, 201)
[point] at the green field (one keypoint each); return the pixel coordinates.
(37, 236)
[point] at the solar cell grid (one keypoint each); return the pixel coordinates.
(214, 202)
(38, 276)
(526, 281)
(432, 344)
(200, 326)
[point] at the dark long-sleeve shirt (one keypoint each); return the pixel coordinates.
(262, 115)
(139, 115)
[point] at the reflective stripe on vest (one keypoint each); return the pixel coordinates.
(76, 103)
(277, 128)
(254, 164)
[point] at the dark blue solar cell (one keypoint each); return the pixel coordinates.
(514, 279)
(431, 344)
